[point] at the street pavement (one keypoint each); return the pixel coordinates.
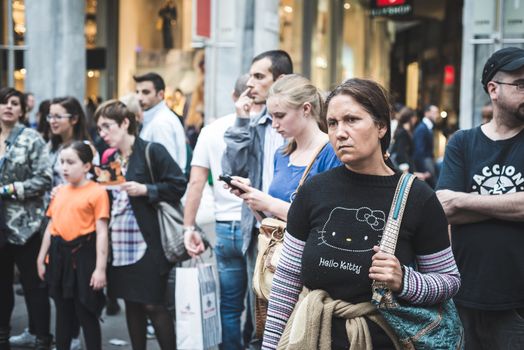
(114, 327)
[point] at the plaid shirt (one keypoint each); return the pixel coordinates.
(127, 242)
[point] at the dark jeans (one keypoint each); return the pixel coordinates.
(251, 259)
(493, 330)
(35, 291)
(233, 282)
(70, 312)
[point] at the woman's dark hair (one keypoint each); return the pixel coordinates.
(373, 98)
(8, 92)
(405, 115)
(117, 111)
(43, 125)
(73, 107)
(83, 149)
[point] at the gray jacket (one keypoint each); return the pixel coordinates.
(25, 165)
(244, 156)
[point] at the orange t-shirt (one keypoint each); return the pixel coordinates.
(75, 210)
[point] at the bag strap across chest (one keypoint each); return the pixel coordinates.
(310, 166)
(389, 239)
(148, 161)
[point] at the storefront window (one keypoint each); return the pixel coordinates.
(491, 32)
(90, 28)
(353, 41)
(291, 33)
(12, 31)
(320, 49)
(18, 22)
(156, 35)
(95, 68)
(514, 19)
(485, 18)
(481, 98)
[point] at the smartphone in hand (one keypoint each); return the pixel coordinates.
(227, 179)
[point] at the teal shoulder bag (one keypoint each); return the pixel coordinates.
(416, 326)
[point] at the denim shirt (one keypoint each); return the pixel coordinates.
(26, 165)
(244, 156)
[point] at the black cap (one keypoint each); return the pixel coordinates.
(508, 59)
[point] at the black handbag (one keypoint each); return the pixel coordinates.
(171, 222)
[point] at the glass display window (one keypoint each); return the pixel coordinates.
(495, 24)
(156, 35)
(291, 14)
(320, 48)
(353, 41)
(12, 43)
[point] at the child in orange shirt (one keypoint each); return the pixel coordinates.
(76, 244)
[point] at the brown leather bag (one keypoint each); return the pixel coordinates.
(270, 239)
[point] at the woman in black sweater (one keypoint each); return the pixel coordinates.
(139, 270)
(334, 228)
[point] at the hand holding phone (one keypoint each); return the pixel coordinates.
(227, 179)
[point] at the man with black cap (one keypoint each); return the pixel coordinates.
(481, 189)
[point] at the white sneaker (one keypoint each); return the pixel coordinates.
(150, 332)
(24, 339)
(76, 344)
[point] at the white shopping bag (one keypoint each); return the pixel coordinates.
(197, 313)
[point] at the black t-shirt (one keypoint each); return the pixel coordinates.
(488, 253)
(341, 215)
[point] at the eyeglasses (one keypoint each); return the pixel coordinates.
(520, 86)
(105, 127)
(57, 117)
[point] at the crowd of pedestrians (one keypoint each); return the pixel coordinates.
(75, 237)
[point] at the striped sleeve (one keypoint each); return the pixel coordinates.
(285, 290)
(436, 280)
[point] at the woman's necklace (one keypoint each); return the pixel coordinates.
(124, 160)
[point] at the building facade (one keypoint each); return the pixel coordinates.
(424, 51)
(489, 25)
(91, 49)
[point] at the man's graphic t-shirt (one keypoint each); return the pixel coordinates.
(489, 253)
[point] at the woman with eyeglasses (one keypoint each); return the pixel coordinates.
(25, 176)
(67, 123)
(139, 270)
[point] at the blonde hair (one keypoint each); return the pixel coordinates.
(195, 117)
(295, 90)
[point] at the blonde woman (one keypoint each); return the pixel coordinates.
(295, 106)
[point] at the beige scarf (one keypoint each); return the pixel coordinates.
(309, 326)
